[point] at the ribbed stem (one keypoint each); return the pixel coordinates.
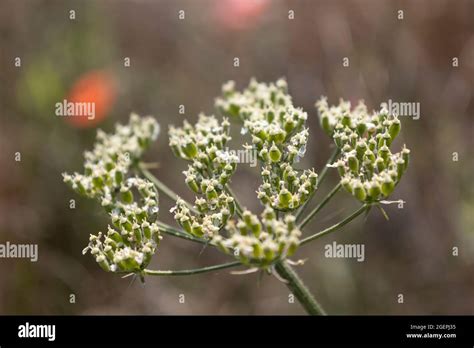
(336, 226)
(321, 178)
(297, 287)
(319, 206)
(192, 271)
(180, 233)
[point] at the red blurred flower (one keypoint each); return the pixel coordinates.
(97, 87)
(239, 14)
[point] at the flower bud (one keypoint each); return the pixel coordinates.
(270, 116)
(97, 181)
(269, 214)
(384, 152)
(400, 168)
(293, 244)
(284, 198)
(369, 156)
(387, 186)
(257, 250)
(372, 144)
(289, 125)
(231, 207)
(126, 195)
(278, 136)
(326, 124)
(361, 128)
(380, 163)
(196, 229)
(192, 184)
(406, 156)
(190, 149)
(269, 253)
(346, 120)
(262, 134)
(137, 233)
(313, 178)
(337, 139)
(146, 229)
(211, 193)
(264, 155)
(103, 263)
(374, 190)
(274, 153)
(394, 128)
(185, 223)
(353, 164)
(359, 191)
(361, 148)
(347, 184)
(175, 149)
(256, 227)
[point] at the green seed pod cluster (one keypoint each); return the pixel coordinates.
(279, 137)
(211, 167)
(204, 145)
(212, 217)
(107, 165)
(368, 168)
(283, 188)
(131, 202)
(260, 242)
(131, 241)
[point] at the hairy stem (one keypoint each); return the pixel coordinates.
(336, 226)
(295, 284)
(192, 271)
(321, 177)
(161, 186)
(319, 206)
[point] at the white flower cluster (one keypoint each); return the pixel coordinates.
(211, 167)
(129, 245)
(368, 169)
(278, 135)
(212, 217)
(131, 202)
(107, 165)
(260, 242)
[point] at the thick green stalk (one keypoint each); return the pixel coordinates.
(192, 271)
(297, 287)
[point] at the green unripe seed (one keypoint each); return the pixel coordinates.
(275, 153)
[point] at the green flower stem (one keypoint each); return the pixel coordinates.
(319, 206)
(336, 226)
(180, 233)
(161, 186)
(321, 177)
(295, 284)
(238, 206)
(192, 271)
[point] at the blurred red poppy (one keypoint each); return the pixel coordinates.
(239, 14)
(96, 88)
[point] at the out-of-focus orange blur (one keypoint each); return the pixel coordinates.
(93, 87)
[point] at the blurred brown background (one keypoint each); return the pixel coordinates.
(185, 62)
